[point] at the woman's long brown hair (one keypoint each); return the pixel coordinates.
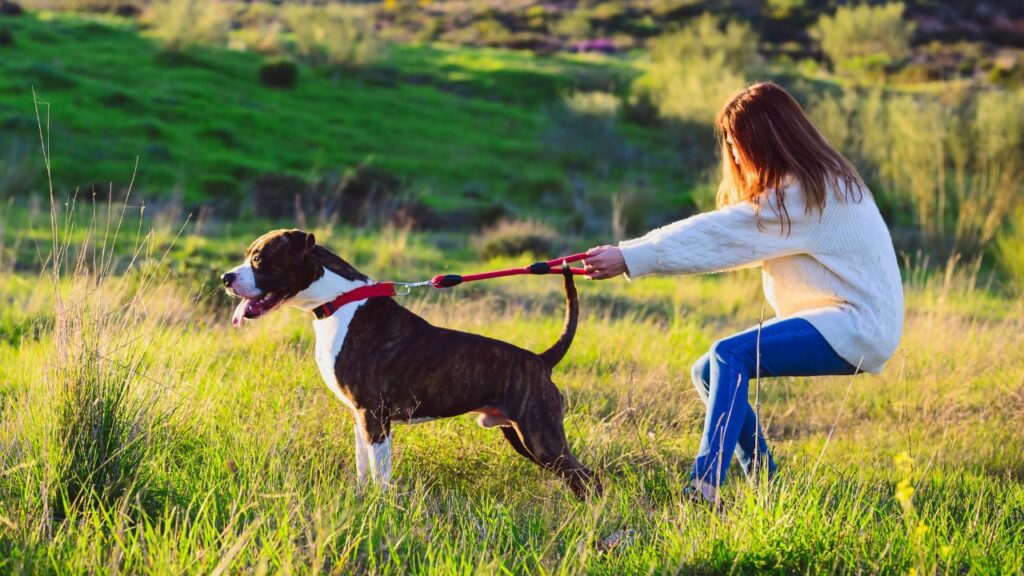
(775, 140)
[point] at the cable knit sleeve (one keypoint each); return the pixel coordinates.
(724, 239)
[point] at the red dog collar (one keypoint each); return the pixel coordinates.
(379, 290)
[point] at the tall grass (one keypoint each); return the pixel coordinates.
(1010, 250)
(955, 162)
(251, 468)
(88, 420)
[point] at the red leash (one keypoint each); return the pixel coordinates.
(388, 289)
(549, 267)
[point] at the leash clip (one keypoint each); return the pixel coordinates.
(404, 288)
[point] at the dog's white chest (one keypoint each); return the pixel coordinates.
(330, 337)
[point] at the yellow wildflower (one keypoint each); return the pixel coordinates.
(904, 463)
(904, 492)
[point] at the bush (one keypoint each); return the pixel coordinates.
(693, 71)
(486, 31)
(583, 132)
(257, 26)
(864, 39)
(181, 24)
(515, 237)
(8, 8)
(573, 26)
(279, 196)
(6, 39)
(127, 8)
(279, 73)
(362, 195)
(951, 165)
(341, 36)
(366, 193)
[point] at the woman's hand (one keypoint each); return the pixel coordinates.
(604, 262)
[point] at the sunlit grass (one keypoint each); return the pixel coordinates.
(252, 468)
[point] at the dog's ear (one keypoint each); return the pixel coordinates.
(301, 242)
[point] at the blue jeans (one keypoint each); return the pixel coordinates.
(790, 347)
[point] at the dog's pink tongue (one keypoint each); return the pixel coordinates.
(238, 316)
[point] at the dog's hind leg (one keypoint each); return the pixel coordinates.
(517, 444)
(544, 437)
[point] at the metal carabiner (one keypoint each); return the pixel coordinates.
(404, 288)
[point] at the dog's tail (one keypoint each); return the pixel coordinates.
(554, 355)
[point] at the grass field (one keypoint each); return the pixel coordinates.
(198, 448)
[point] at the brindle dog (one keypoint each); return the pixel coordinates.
(388, 365)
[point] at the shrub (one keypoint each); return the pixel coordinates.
(630, 208)
(8, 8)
(864, 39)
(486, 31)
(515, 237)
(341, 36)
(128, 8)
(6, 39)
(363, 194)
(574, 26)
(583, 132)
(784, 8)
(257, 26)
(596, 105)
(279, 196)
(279, 73)
(692, 71)
(182, 24)
(951, 165)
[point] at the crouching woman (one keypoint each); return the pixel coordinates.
(793, 205)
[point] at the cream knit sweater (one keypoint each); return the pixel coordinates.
(837, 270)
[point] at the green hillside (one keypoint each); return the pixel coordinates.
(459, 127)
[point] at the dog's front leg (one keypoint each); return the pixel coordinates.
(377, 432)
(362, 452)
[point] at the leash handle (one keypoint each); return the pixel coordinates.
(446, 280)
(545, 267)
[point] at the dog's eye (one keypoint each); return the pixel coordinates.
(256, 259)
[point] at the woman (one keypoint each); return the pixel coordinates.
(790, 203)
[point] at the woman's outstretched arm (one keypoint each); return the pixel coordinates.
(724, 239)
